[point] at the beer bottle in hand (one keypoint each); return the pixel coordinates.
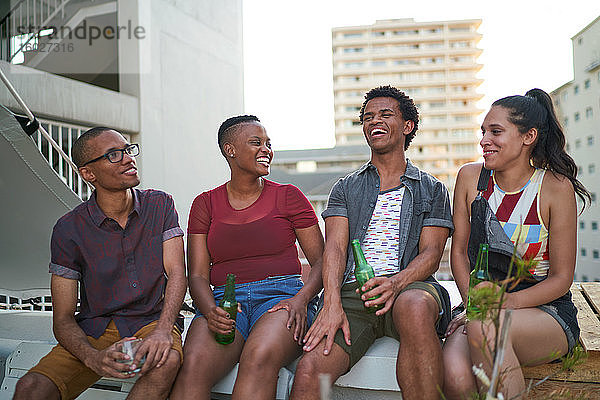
(479, 274)
(363, 272)
(229, 304)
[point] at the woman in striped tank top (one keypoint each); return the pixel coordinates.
(523, 194)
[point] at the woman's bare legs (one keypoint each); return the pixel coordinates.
(459, 381)
(205, 362)
(534, 337)
(269, 347)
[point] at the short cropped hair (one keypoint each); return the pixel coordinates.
(227, 128)
(80, 151)
(405, 104)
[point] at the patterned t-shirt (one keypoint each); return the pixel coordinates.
(382, 237)
(519, 214)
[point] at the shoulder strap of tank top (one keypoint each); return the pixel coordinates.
(484, 178)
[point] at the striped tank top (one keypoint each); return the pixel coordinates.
(519, 214)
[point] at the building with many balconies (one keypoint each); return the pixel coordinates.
(433, 62)
(578, 105)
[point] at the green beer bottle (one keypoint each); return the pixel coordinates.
(229, 304)
(363, 272)
(479, 274)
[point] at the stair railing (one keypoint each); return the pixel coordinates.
(27, 11)
(48, 137)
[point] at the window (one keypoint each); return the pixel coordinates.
(566, 121)
(411, 32)
(576, 117)
(436, 104)
(463, 59)
(463, 118)
(583, 252)
(434, 60)
(593, 196)
(577, 143)
(581, 225)
(462, 133)
(353, 50)
(596, 254)
(576, 89)
(587, 84)
(580, 40)
(589, 113)
(379, 63)
(353, 35)
(461, 44)
(591, 168)
(436, 89)
(460, 29)
(378, 33)
(406, 62)
(579, 170)
(353, 65)
(590, 140)
(594, 225)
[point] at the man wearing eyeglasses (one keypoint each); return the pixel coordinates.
(124, 248)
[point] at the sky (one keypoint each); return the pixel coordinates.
(288, 69)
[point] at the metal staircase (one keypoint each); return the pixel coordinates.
(24, 25)
(55, 146)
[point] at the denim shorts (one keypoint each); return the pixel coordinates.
(259, 296)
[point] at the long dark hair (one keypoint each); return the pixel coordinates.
(535, 110)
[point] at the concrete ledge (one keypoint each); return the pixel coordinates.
(64, 99)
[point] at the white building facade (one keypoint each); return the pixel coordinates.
(578, 105)
(435, 63)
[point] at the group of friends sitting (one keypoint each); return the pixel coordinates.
(121, 255)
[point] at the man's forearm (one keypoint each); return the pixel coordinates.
(333, 275)
(70, 335)
(174, 294)
(421, 267)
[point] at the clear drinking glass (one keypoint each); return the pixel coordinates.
(130, 348)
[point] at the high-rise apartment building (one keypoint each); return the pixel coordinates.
(433, 62)
(578, 105)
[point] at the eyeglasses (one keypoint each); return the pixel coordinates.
(115, 156)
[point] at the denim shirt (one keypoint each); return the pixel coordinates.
(425, 203)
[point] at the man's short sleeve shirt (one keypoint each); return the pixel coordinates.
(120, 271)
(426, 203)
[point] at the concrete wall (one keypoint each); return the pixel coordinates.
(190, 80)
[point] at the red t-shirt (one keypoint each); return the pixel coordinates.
(255, 242)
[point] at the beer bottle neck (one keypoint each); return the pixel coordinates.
(229, 288)
(359, 256)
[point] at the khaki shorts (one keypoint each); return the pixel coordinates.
(366, 327)
(71, 376)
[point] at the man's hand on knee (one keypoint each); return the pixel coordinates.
(328, 322)
(155, 347)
